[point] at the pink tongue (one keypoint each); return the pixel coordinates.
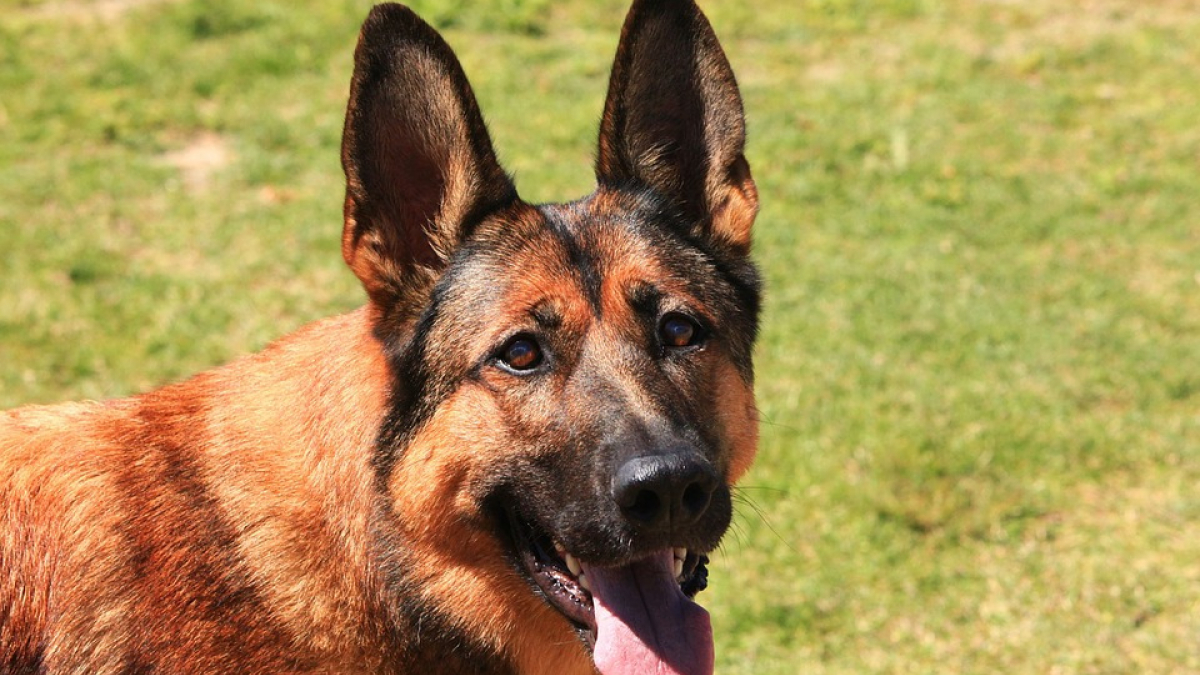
(645, 625)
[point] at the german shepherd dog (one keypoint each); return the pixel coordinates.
(513, 459)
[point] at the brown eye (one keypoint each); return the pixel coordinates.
(521, 353)
(678, 331)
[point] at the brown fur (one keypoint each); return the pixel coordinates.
(330, 505)
(263, 452)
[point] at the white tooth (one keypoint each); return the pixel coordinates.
(584, 582)
(572, 564)
(680, 553)
(678, 569)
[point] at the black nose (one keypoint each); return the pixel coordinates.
(657, 491)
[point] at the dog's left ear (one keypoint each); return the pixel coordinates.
(673, 121)
(420, 168)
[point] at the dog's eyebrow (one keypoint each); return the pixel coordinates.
(644, 297)
(546, 315)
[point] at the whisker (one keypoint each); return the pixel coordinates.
(740, 498)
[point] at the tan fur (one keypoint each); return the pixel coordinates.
(285, 450)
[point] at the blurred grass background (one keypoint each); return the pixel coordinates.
(980, 370)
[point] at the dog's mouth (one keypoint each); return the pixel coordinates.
(636, 618)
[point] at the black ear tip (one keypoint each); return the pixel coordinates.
(388, 13)
(391, 20)
(682, 15)
(391, 26)
(665, 5)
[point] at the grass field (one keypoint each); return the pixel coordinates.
(980, 371)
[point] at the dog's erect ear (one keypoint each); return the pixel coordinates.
(420, 168)
(673, 120)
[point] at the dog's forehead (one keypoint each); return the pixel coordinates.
(585, 257)
(566, 268)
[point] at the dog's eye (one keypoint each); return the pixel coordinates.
(678, 331)
(521, 353)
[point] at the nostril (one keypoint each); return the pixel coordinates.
(695, 500)
(645, 507)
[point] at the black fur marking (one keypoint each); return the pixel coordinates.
(135, 665)
(547, 316)
(213, 571)
(416, 388)
(405, 412)
(416, 634)
(579, 256)
(646, 299)
(25, 662)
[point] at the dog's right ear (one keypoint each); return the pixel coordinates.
(420, 168)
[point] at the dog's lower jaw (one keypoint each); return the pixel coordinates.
(476, 620)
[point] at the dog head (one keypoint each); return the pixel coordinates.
(572, 383)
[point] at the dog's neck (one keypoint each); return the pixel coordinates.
(288, 434)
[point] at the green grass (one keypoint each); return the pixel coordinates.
(980, 369)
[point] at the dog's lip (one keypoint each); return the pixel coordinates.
(547, 564)
(541, 561)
